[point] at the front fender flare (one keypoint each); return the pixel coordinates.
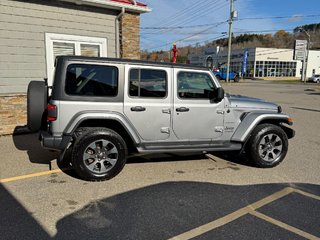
(252, 120)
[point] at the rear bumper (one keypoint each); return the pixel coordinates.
(53, 142)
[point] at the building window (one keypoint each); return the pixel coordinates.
(61, 44)
(275, 69)
(91, 80)
(148, 83)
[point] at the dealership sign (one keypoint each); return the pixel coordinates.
(300, 49)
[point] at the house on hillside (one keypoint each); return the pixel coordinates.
(34, 32)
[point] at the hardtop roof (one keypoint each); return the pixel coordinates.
(130, 61)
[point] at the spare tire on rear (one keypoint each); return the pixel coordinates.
(37, 100)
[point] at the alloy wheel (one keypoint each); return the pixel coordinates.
(100, 156)
(270, 147)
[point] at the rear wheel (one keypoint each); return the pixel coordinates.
(37, 100)
(236, 79)
(267, 146)
(99, 154)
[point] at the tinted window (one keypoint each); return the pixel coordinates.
(92, 80)
(148, 83)
(194, 85)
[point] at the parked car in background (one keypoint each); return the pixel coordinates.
(222, 75)
(315, 78)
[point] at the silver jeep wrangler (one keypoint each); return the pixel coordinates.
(102, 109)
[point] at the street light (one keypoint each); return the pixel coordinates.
(305, 63)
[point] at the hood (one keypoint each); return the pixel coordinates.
(238, 101)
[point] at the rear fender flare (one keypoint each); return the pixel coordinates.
(89, 115)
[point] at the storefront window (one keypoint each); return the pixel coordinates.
(275, 69)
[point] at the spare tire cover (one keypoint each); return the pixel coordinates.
(36, 104)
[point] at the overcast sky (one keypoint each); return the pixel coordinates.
(199, 21)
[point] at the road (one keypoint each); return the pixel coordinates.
(169, 196)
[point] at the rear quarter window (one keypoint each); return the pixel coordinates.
(91, 80)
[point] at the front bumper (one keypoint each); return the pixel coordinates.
(53, 142)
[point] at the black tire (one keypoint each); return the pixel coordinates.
(218, 77)
(37, 100)
(99, 154)
(267, 146)
(236, 79)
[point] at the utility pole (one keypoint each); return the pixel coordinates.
(306, 58)
(230, 38)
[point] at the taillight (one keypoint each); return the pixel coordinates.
(52, 112)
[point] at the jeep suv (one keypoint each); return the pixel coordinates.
(102, 109)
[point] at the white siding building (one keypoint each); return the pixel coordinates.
(261, 62)
(34, 32)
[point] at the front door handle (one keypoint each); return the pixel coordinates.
(138, 109)
(182, 109)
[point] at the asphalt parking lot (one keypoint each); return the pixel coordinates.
(170, 196)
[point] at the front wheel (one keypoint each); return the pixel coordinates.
(267, 146)
(99, 154)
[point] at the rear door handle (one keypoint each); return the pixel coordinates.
(138, 109)
(182, 109)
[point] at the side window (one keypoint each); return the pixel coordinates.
(148, 83)
(91, 80)
(194, 85)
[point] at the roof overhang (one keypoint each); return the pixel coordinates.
(115, 5)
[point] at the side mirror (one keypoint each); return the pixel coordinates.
(218, 95)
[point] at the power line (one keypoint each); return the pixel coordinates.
(216, 38)
(264, 31)
(210, 39)
(192, 16)
(203, 32)
(181, 27)
(203, 13)
(181, 12)
(239, 19)
(199, 10)
(189, 9)
(185, 38)
(244, 31)
(279, 17)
